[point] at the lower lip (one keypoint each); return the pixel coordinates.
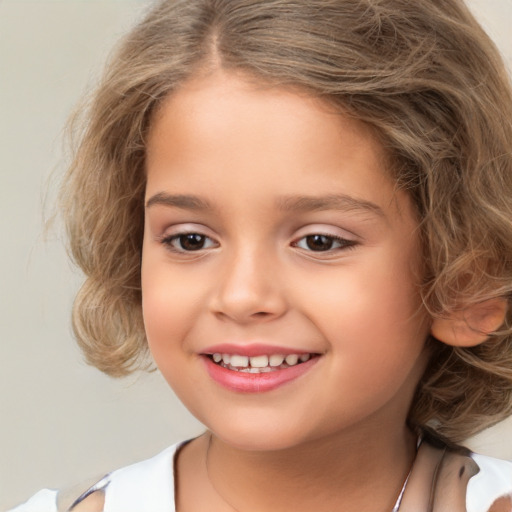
(256, 382)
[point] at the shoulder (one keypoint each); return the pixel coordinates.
(146, 485)
(127, 489)
(43, 501)
(490, 489)
(449, 477)
(483, 483)
(94, 502)
(65, 500)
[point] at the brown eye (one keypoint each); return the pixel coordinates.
(192, 241)
(319, 242)
(324, 243)
(188, 242)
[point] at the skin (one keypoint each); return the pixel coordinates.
(336, 437)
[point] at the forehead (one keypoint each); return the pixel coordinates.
(220, 99)
(225, 131)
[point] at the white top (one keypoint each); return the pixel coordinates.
(149, 485)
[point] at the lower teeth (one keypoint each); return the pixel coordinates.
(248, 369)
(266, 369)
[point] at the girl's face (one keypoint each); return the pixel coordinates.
(273, 230)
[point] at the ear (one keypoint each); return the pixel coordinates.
(471, 326)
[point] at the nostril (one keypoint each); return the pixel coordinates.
(247, 302)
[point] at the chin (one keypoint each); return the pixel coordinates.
(261, 441)
(261, 435)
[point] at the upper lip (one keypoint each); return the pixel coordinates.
(252, 349)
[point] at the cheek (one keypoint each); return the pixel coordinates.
(170, 304)
(158, 316)
(364, 295)
(170, 313)
(371, 309)
(159, 304)
(165, 329)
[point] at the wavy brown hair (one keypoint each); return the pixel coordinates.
(422, 73)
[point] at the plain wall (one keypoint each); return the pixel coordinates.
(60, 420)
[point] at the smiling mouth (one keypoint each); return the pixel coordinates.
(260, 363)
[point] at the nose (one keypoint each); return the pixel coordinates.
(249, 288)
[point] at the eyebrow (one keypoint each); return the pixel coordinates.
(187, 202)
(329, 202)
(286, 203)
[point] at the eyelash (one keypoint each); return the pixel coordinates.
(343, 243)
(168, 241)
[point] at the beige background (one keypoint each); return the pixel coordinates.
(61, 421)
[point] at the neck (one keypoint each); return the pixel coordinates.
(352, 472)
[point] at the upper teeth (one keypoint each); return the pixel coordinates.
(262, 361)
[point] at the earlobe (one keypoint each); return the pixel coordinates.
(471, 326)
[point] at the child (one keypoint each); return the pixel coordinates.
(303, 209)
